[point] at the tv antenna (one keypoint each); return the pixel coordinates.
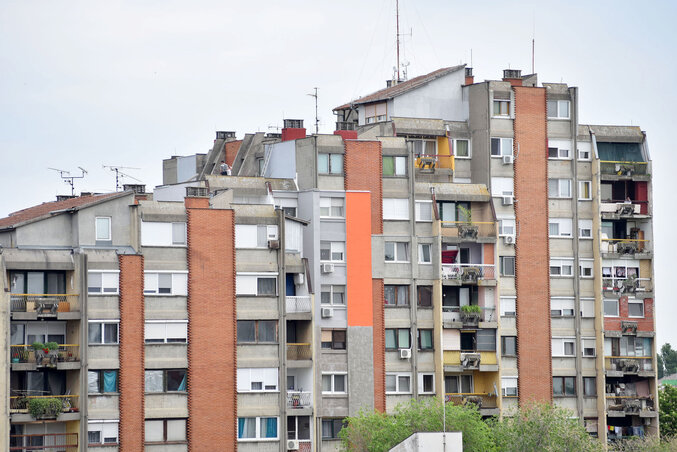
(119, 174)
(317, 121)
(67, 178)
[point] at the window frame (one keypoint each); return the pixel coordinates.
(398, 346)
(582, 152)
(562, 225)
(330, 170)
(581, 190)
(397, 376)
(165, 379)
(639, 302)
(334, 344)
(502, 301)
(109, 232)
(585, 386)
(511, 223)
(503, 104)
(100, 381)
(398, 288)
(418, 296)
(334, 247)
(583, 226)
(502, 266)
(393, 211)
(428, 331)
(586, 268)
(396, 257)
(504, 341)
(559, 347)
(334, 202)
(421, 382)
(333, 290)
(584, 350)
(332, 376)
(178, 287)
(562, 307)
(561, 263)
(456, 140)
(502, 152)
(421, 253)
(563, 382)
(513, 385)
(102, 423)
(395, 159)
(561, 183)
(257, 339)
(417, 211)
(608, 301)
(264, 387)
(102, 324)
(167, 339)
(257, 430)
(335, 432)
(103, 287)
(166, 429)
(558, 102)
(559, 151)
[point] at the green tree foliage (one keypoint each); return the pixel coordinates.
(667, 411)
(645, 444)
(661, 366)
(378, 432)
(542, 427)
(669, 357)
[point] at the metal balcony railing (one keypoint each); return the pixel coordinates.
(42, 303)
(453, 314)
(626, 285)
(468, 273)
(61, 442)
(625, 246)
(629, 404)
(482, 400)
(622, 207)
(20, 403)
(298, 303)
(468, 230)
(299, 399)
(299, 351)
(621, 168)
(628, 364)
(26, 354)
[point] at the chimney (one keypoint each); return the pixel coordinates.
(64, 197)
(293, 129)
(514, 76)
(222, 135)
(136, 188)
(346, 129)
(469, 78)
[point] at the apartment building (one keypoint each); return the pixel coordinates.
(451, 239)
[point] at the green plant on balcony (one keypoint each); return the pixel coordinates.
(51, 346)
(470, 313)
(44, 407)
(471, 308)
(466, 230)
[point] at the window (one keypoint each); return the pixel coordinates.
(587, 307)
(102, 432)
(298, 427)
(165, 283)
(261, 285)
(375, 112)
(502, 186)
(103, 332)
(509, 345)
(166, 331)
(584, 154)
(397, 338)
(253, 331)
(333, 295)
(330, 163)
(333, 339)
(559, 227)
(509, 386)
(628, 346)
(585, 268)
(508, 306)
(426, 383)
(331, 428)
(256, 428)
(588, 347)
(558, 109)
(334, 383)
(558, 153)
(507, 264)
(396, 295)
(501, 107)
(424, 211)
(398, 383)
(562, 307)
(425, 339)
(103, 282)
(424, 295)
(610, 308)
(584, 190)
(332, 207)
(424, 253)
(589, 386)
(424, 147)
(635, 308)
(563, 386)
(396, 252)
(394, 166)
(458, 384)
(254, 235)
(501, 147)
(486, 340)
(260, 163)
(289, 211)
(563, 347)
(163, 233)
(173, 380)
(584, 229)
(559, 188)
(332, 251)
(461, 149)
(102, 381)
(506, 226)
(257, 379)
(103, 229)
(395, 209)
(453, 211)
(165, 430)
(561, 267)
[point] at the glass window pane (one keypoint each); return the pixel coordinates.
(391, 383)
(154, 381)
(451, 385)
(557, 386)
(323, 163)
(553, 188)
(326, 383)
(94, 333)
(339, 383)
(402, 254)
(462, 148)
(265, 286)
(178, 233)
(268, 427)
(110, 333)
(400, 166)
(506, 145)
(495, 146)
(563, 109)
(390, 339)
(110, 381)
(176, 429)
(403, 338)
(176, 380)
(569, 386)
(403, 295)
(93, 382)
(246, 427)
(389, 294)
(425, 295)
(404, 383)
(246, 331)
(267, 330)
(165, 283)
(94, 282)
(388, 166)
(103, 228)
(336, 164)
(390, 251)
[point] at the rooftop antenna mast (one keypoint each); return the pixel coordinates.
(397, 24)
(119, 174)
(70, 180)
(317, 121)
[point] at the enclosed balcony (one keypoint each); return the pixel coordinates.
(462, 221)
(48, 442)
(618, 366)
(624, 199)
(299, 346)
(42, 294)
(478, 389)
(622, 161)
(470, 350)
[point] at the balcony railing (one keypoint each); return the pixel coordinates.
(26, 354)
(628, 364)
(624, 208)
(345, 125)
(620, 168)
(468, 273)
(20, 403)
(42, 303)
(482, 400)
(453, 314)
(298, 303)
(61, 442)
(629, 404)
(299, 351)
(432, 161)
(468, 231)
(621, 285)
(625, 246)
(299, 399)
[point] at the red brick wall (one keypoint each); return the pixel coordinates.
(643, 324)
(293, 134)
(379, 346)
(347, 134)
(132, 356)
(363, 171)
(230, 151)
(212, 397)
(532, 278)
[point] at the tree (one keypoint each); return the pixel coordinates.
(667, 410)
(543, 427)
(661, 366)
(669, 358)
(372, 431)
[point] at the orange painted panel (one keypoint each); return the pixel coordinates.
(358, 258)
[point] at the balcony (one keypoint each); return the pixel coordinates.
(299, 352)
(630, 405)
(618, 366)
(299, 399)
(43, 305)
(452, 315)
(617, 170)
(485, 402)
(475, 231)
(298, 304)
(480, 274)
(458, 361)
(616, 210)
(28, 408)
(61, 442)
(25, 357)
(615, 248)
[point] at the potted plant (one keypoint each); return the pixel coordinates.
(470, 313)
(467, 230)
(44, 407)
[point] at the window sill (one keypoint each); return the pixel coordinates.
(277, 391)
(395, 176)
(96, 344)
(562, 396)
(243, 440)
(500, 157)
(332, 218)
(585, 199)
(426, 350)
(397, 262)
(103, 444)
(334, 306)
(166, 392)
(463, 157)
(424, 307)
(105, 294)
(103, 393)
(508, 356)
(258, 343)
(331, 174)
(391, 306)
(558, 119)
(335, 395)
(399, 393)
(331, 351)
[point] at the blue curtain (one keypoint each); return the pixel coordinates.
(271, 428)
(182, 386)
(240, 427)
(110, 381)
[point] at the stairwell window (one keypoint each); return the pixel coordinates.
(398, 383)
(394, 165)
(396, 252)
(103, 229)
(501, 147)
(558, 109)
(559, 188)
(507, 265)
(330, 163)
(584, 190)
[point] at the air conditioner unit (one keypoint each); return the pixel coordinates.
(298, 279)
(507, 200)
(274, 244)
(292, 444)
(405, 353)
(327, 268)
(509, 239)
(327, 313)
(508, 159)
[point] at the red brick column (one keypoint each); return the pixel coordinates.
(379, 346)
(212, 397)
(230, 151)
(132, 353)
(532, 278)
(363, 170)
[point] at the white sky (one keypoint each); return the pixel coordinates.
(129, 83)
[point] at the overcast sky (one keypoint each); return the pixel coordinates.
(129, 83)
